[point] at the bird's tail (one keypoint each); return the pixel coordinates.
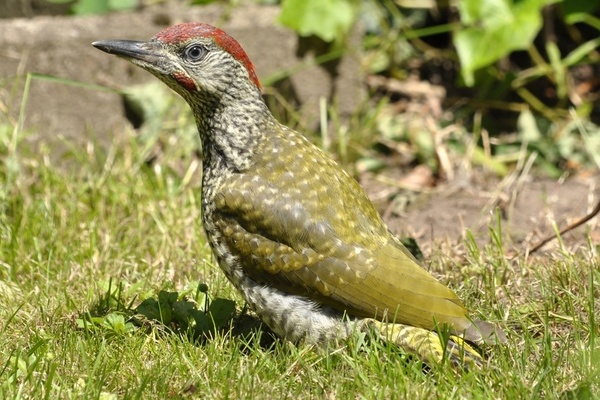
(426, 344)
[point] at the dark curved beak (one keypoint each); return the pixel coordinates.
(130, 49)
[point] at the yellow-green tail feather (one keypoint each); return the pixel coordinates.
(426, 344)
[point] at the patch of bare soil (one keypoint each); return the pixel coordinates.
(527, 208)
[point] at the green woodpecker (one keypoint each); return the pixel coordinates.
(293, 232)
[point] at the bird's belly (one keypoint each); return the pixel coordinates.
(293, 317)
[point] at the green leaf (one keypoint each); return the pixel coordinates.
(116, 323)
(327, 19)
(83, 7)
(221, 311)
(122, 5)
(493, 29)
(204, 323)
(148, 308)
(182, 311)
(167, 297)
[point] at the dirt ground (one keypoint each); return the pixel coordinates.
(528, 207)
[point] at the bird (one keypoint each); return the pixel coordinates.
(293, 232)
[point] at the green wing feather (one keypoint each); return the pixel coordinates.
(327, 241)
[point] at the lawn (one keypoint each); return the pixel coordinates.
(87, 237)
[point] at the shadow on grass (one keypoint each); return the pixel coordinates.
(196, 317)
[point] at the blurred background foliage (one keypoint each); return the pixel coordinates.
(517, 77)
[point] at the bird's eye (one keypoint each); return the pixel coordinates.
(195, 53)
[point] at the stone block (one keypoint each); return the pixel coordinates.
(59, 46)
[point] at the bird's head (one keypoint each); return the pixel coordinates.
(194, 59)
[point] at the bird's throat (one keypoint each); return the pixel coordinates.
(230, 137)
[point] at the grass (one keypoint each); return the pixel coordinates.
(72, 230)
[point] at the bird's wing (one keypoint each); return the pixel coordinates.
(304, 248)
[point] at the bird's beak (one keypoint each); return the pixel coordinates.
(132, 50)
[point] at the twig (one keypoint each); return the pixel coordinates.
(574, 225)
